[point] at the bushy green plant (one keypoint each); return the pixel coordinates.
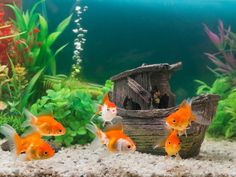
(221, 86)
(73, 109)
(224, 122)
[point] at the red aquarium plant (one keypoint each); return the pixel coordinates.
(225, 42)
(8, 41)
(5, 42)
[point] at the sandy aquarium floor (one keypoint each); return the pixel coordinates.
(215, 159)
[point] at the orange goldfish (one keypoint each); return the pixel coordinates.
(46, 125)
(32, 145)
(108, 110)
(171, 144)
(182, 118)
(113, 138)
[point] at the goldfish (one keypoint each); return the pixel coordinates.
(182, 118)
(46, 125)
(34, 147)
(108, 110)
(113, 138)
(171, 144)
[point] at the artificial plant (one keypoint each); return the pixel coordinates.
(224, 123)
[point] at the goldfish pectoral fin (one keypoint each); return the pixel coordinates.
(180, 133)
(177, 157)
(30, 118)
(117, 119)
(45, 125)
(185, 132)
(167, 156)
(198, 118)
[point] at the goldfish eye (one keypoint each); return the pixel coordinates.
(128, 146)
(60, 131)
(108, 109)
(169, 142)
(45, 152)
(174, 121)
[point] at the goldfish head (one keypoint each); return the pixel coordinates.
(173, 121)
(110, 109)
(44, 151)
(58, 129)
(125, 145)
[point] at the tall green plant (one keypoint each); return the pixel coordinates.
(36, 43)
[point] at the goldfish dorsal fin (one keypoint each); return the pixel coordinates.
(183, 104)
(45, 114)
(106, 98)
(117, 126)
(30, 118)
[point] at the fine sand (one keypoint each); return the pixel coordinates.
(217, 158)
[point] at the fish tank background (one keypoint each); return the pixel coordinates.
(123, 34)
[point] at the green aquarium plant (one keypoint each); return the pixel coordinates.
(35, 45)
(15, 88)
(72, 108)
(14, 121)
(224, 123)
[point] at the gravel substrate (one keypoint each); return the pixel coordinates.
(215, 159)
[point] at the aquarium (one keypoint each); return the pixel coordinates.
(117, 88)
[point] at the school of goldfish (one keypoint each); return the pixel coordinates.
(33, 146)
(31, 143)
(177, 124)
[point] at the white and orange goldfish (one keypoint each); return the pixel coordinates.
(171, 144)
(182, 118)
(34, 147)
(108, 110)
(113, 138)
(46, 125)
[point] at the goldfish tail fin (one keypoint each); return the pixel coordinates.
(198, 118)
(160, 143)
(30, 119)
(13, 139)
(100, 138)
(29, 131)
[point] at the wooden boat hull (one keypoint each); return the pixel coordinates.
(146, 127)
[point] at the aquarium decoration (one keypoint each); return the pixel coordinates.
(79, 40)
(147, 126)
